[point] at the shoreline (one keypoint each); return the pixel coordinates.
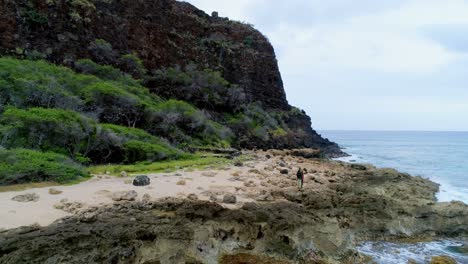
(341, 204)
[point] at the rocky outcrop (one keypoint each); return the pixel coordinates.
(163, 33)
(339, 206)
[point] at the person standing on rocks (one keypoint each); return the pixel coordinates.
(300, 178)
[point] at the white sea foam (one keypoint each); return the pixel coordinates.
(398, 253)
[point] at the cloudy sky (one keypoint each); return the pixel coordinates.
(366, 64)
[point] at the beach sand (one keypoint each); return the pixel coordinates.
(244, 182)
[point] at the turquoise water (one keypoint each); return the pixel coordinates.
(439, 156)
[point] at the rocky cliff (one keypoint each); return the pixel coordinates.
(162, 33)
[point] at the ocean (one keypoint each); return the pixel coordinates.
(440, 156)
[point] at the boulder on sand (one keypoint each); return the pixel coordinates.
(53, 191)
(141, 180)
(229, 199)
(24, 198)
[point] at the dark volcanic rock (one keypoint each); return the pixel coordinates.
(141, 180)
(163, 33)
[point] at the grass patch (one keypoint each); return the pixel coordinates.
(197, 162)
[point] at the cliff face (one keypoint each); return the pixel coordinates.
(163, 33)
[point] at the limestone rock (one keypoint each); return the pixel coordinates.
(53, 191)
(25, 198)
(141, 180)
(181, 182)
(229, 199)
(69, 207)
(124, 196)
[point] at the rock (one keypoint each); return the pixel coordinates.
(213, 198)
(24, 198)
(53, 191)
(181, 182)
(88, 217)
(229, 199)
(282, 164)
(146, 198)
(358, 167)
(307, 153)
(284, 171)
(238, 164)
(443, 260)
(268, 156)
(123, 174)
(250, 184)
(209, 174)
(192, 197)
(411, 261)
(69, 207)
(141, 180)
(128, 181)
(124, 196)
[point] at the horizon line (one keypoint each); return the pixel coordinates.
(389, 130)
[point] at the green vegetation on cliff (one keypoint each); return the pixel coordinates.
(23, 166)
(97, 114)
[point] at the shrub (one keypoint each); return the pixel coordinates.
(131, 64)
(109, 97)
(182, 123)
(137, 145)
(55, 130)
(206, 89)
(23, 166)
(34, 17)
(113, 105)
(102, 51)
(105, 72)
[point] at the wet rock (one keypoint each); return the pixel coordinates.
(284, 171)
(229, 199)
(141, 180)
(443, 260)
(25, 198)
(124, 196)
(53, 191)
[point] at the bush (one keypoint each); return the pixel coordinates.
(137, 145)
(55, 130)
(182, 123)
(102, 51)
(23, 166)
(111, 98)
(206, 89)
(131, 64)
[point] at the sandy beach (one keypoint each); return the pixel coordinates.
(246, 182)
